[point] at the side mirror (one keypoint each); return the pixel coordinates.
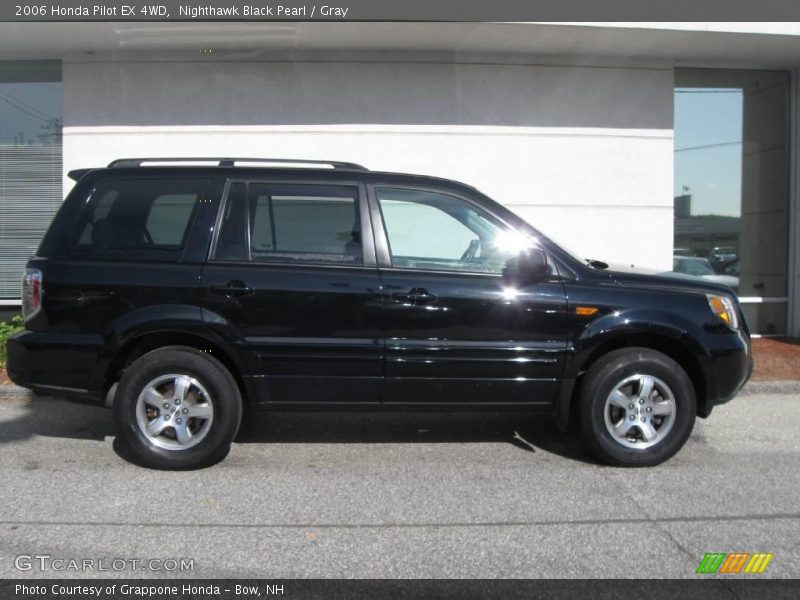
(529, 266)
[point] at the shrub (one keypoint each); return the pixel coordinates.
(7, 329)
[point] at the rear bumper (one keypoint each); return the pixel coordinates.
(59, 364)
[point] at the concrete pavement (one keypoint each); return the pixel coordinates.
(400, 495)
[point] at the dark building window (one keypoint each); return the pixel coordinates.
(30, 163)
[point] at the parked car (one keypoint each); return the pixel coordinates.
(732, 268)
(682, 252)
(700, 267)
(721, 256)
(181, 295)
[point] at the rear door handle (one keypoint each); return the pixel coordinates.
(232, 288)
(415, 296)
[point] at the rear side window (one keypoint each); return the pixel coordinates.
(265, 222)
(137, 219)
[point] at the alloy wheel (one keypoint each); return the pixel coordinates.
(174, 412)
(640, 411)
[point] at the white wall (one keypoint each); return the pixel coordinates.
(584, 154)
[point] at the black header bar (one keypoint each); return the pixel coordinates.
(400, 10)
(704, 587)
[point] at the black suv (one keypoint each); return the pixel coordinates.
(183, 293)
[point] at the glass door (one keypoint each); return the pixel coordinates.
(732, 186)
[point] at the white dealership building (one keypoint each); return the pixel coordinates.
(668, 145)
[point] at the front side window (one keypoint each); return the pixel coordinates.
(265, 222)
(138, 219)
(434, 231)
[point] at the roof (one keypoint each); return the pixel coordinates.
(282, 167)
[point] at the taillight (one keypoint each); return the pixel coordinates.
(31, 293)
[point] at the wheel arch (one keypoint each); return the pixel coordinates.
(143, 343)
(678, 349)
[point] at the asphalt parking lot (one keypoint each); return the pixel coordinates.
(401, 495)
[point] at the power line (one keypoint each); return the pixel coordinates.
(709, 91)
(25, 107)
(704, 146)
(25, 104)
(23, 110)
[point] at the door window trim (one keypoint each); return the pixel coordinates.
(368, 256)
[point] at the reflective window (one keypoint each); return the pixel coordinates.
(428, 230)
(30, 163)
(731, 185)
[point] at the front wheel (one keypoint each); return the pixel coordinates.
(177, 408)
(637, 407)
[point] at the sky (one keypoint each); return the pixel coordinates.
(708, 149)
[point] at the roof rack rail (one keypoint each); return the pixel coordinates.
(230, 162)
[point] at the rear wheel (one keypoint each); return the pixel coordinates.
(177, 408)
(637, 407)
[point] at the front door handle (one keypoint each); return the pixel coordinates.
(232, 288)
(416, 295)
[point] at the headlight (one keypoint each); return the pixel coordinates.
(725, 310)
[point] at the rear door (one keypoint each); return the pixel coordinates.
(292, 280)
(457, 330)
(129, 248)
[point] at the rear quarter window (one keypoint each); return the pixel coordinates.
(137, 219)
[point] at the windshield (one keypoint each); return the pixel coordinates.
(692, 266)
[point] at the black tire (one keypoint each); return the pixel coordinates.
(224, 399)
(602, 379)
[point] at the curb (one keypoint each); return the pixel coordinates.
(751, 388)
(9, 389)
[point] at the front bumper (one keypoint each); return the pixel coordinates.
(727, 368)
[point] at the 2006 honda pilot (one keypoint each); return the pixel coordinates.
(183, 293)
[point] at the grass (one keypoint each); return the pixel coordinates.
(7, 329)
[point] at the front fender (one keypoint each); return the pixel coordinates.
(632, 322)
(615, 326)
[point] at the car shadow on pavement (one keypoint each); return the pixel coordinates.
(533, 433)
(51, 417)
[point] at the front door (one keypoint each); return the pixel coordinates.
(292, 279)
(457, 329)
